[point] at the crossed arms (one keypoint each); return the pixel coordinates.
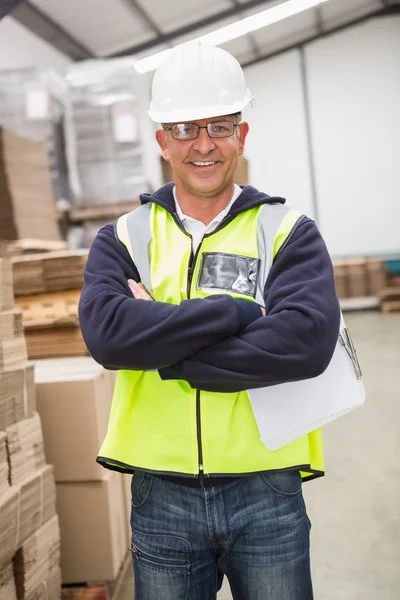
(217, 343)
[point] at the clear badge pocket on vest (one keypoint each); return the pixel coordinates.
(229, 272)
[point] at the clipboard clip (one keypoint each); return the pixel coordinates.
(347, 343)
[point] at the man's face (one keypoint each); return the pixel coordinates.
(187, 157)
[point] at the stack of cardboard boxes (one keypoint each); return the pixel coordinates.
(359, 277)
(26, 198)
(47, 287)
(74, 399)
(27, 487)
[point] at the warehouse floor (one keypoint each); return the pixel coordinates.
(355, 509)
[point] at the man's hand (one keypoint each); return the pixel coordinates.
(140, 293)
(138, 290)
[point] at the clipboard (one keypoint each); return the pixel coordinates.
(288, 411)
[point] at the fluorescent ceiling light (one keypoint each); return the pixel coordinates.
(235, 30)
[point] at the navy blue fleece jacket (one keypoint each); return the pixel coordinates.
(217, 343)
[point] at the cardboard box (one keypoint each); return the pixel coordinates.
(37, 502)
(17, 395)
(48, 272)
(25, 448)
(13, 353)
(357, 277)
(341, 278)
(4, 470)
(74, 400)
(26, 197)
(8, 524)
(24, 508)
(55, 341)
(36, 564)
(93, 529)
(11, 324)
(377, 276)
(7, 584)
(6, 285)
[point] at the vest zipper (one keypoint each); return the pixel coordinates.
(198, 418)
(192, 266)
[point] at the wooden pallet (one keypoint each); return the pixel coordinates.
(98, 591)
(390, 299)
(100, 212)
(389, 306)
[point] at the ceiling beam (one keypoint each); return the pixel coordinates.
(40, 24)
(251, 38)
(383, 12)
(138, 9)
(7, 6)
(165, 38)
(319, 20)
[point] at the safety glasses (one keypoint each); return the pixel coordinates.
(190, 131)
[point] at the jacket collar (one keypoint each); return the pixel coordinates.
(249, 198)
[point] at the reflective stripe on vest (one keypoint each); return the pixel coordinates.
(153, 423)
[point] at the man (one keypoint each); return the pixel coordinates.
(203, 294)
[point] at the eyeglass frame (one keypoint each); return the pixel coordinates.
(213, 137)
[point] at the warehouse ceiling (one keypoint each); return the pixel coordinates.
(140, 28)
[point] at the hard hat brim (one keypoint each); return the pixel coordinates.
(197, 113)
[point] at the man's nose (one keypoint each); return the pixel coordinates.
(203, 143)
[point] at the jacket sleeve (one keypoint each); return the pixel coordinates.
(294, 341)
(124, 333)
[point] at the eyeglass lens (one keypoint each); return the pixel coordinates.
(190, 131)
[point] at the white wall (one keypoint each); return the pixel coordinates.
(277, 147)
(354, 92)
(21, 48)
(354, 83)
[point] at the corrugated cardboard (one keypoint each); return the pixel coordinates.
(93, 529)
(74, 400)
(8, 524)
(37, 502)
(36, 564)
(357, 277)
(13, 353)
(55, 341)
(48, 272)
(26, 199)
(10, 324)
(25, 448)
(24, 509)
(7, 584)
(6, 285)
(377, 276)
(17, 395)
(11, 397)
(4, 470)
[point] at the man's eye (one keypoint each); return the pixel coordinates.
(220, 128)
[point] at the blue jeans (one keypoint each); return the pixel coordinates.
(254, 530)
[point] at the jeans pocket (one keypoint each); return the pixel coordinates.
(286, 483)
(141, 486)
(161, 565)
(161, 551)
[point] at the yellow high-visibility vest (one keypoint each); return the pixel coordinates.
(167, 427)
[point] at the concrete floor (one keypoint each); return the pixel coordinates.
(355, 509)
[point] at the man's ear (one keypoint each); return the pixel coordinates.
(161, 137)
(243, 131)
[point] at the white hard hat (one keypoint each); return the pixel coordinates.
(198, 81)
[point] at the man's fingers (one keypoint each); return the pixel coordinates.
(138, 290)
